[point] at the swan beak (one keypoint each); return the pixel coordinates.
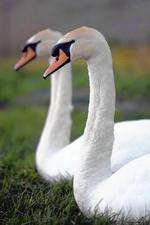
(59, 62)
(26, 57)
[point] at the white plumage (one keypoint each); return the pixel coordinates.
(55, 161)
(132, 140)
(95, 188)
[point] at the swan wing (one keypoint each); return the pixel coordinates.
(132, 140)
(127, 190)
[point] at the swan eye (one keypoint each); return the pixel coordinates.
(65, 47)
(30, 45)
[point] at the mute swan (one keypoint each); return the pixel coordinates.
(95, 189)
(65, 161)
(52, 138)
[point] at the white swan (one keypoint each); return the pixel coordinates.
(62, 164)
(95, 189)
(52, 138)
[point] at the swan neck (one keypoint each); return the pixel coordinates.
(62, 107)
(56, 132)
(94, 163)
(101, 105)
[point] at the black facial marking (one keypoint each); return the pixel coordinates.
(31, 45)
(63, 46)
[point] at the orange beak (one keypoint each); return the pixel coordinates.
(26, 57)
(57, 64)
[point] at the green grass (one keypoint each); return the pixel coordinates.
(24, 197)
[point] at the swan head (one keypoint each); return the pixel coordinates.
(38, 45)
(81, 43)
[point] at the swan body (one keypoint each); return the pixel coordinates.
(125, 192)
(63, 164)
(96, 189)
(131, 141)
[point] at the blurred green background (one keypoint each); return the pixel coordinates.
(24, 98)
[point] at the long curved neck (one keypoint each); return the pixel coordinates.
(61, 118)
(54, 83)
(56, 132)
(94, 163)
